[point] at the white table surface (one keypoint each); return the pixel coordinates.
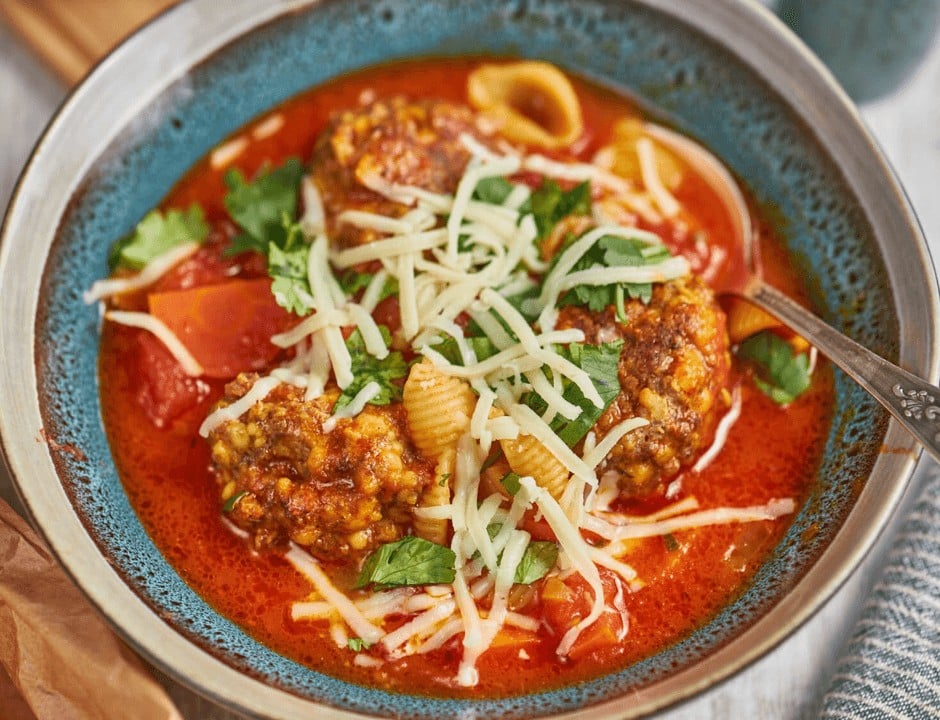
(787, 684)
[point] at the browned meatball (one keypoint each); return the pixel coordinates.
(340, 494)
(673, 371)
(390, 141)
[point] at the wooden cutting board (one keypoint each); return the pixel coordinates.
(72, 35)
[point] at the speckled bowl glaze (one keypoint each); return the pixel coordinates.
(723, 71)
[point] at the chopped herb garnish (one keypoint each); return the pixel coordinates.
(492, 190)
(358, 644)
(611, 251)
(258, 207)
(156, 234)
(409, 561)
(481, 346)
(233, 501)
(495, 454)
(287, 266)
(781, 374)
(352, 282)
(539, 557)
(669, 540)
(549, 204)
(444, 478)
(367, 368)
(510, 481)
(601, 363)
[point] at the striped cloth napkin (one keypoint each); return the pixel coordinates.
(891, 665)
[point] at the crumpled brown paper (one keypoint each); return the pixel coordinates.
(58, 658)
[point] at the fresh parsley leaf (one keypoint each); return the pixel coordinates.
(157, 233)
(601, 363)
(611, 251)
(782, 375)
(409, 561)
(233, 501)
(367, 368)
(492, 190)
(510, 481)
(287, 266)
(549, 204)
(259, 206)
(358, 644)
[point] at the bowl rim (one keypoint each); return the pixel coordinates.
(807, 86)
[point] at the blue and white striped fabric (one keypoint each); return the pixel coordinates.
(891, 666)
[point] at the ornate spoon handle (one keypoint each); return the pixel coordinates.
(913, 401)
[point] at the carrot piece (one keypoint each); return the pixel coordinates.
(227, 327)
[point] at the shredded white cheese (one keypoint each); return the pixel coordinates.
(156, 327)
(148, 275)
(258, 392)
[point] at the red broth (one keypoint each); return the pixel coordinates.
(689, 577)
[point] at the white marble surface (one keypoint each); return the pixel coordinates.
(787, 684)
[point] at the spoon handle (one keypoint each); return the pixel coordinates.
(914, 402)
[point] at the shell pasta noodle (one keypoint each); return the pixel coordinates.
(466, 419)
(438, 407)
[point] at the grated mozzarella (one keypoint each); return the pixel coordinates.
(345, 608)
(654, 184)
(268, 127)
(375, 221)
(226, 153)
(313, 221)
(674, 267)
(615, 532)
(258, 392)
(158, 328)
(595, 455)
(721, 432)
(391, 247)
(354, 407)
(148, 275)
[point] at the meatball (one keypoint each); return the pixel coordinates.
(673, 371)
(388, 141)
(339, 493)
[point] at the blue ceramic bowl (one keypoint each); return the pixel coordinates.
(722, 71)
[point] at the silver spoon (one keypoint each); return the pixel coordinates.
(910, 399)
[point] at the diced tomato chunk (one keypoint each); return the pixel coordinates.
(226, 327)
(566, 602)
(388, 313)
(164, 390)
(209, 265)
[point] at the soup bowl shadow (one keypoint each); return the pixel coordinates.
(724, 72)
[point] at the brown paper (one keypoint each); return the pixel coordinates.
(58, 658)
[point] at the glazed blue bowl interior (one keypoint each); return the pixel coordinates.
(683, 78)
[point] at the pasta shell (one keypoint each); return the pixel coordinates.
(531, 102)
(439, 408)
(436, 494)
(746, 319)
(527, 456)
(621, 156)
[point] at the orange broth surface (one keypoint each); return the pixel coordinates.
(771, 452)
